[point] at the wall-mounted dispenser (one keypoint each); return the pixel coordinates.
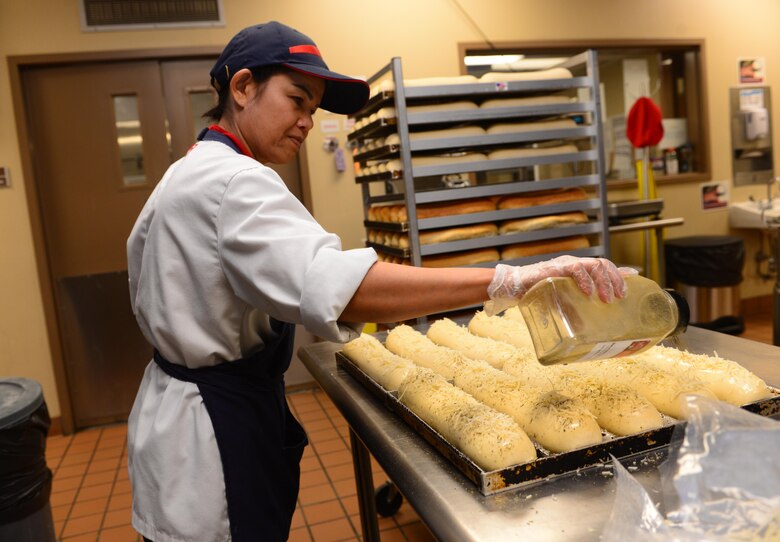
(751, 135)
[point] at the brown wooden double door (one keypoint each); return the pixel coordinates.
(102, 134)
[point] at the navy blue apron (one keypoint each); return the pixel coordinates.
(260, 442)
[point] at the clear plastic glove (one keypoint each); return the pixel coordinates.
(510, 282)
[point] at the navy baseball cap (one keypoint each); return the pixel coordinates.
(275, 44)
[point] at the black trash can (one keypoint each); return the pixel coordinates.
(25, 480)
(707, 270)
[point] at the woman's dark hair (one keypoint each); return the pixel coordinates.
(260, 75)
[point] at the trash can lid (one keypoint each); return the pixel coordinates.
(19, 398)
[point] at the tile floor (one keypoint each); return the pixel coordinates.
(91, 496)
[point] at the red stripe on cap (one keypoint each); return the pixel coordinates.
(308, 49)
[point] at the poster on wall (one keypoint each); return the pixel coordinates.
(752, 70)
(714, 196)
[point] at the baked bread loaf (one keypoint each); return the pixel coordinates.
(543, 222)
(552, 73)
(545, 246)
(457, 259)
(542, 197)
(526, 101)
(445, 235)
(512, 127)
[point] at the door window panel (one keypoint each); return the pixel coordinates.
(200, 102)
(129, 140)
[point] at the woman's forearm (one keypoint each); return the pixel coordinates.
(392, 293)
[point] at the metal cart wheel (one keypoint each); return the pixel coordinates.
(388, 499)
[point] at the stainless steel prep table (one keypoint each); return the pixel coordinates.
(568, 507)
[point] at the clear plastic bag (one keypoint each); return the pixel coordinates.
(721, 482)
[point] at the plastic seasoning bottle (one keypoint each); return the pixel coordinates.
(566, 325)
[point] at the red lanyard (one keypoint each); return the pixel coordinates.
(234, 139)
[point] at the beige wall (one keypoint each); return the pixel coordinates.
(359, 37)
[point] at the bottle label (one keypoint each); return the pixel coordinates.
(616, 349)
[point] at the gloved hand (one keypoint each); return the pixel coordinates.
(511, 282)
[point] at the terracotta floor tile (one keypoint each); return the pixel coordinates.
(61, 498)
(335, 458)
(89, 537)
(122, 486)
(345, 488)
(310, 463)
(98, 478)
(82, 447)
(60, 513)
(111, 442)
(418, 532)
(299, 535)
(73, 470)
(114, 431)
(82, 525)
(117, 502)
(406, 514)
(297, 519)
(333, 531)
(108, 452)
(103, 465)
(88, 508)
(122, 473)
(323, 435)
(76, 459)
(392, 535)
(338, 473)
(330, 446)
(312, 416)
(94, 492)
(322, 512)
(65, 484)
(116, 518)
(125, 533)
(313, 478)
(316, 494)
(351, 505)
(318, 425)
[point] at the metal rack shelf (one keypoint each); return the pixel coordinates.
(411, 183)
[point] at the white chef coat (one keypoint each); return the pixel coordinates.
(219, 248)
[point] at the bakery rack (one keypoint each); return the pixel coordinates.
(414, 185)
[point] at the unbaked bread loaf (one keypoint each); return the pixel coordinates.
(445, 332)
(409, 343)
(460, 105)
(384, 367)
(491, 439)
(396, 165)
(457, 259)
(543, 222)
(728, 380)
(542, 197)
(557, 422)
(545, 246)
(664, 389)
(506, 330)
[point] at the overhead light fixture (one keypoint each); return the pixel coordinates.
(491, 60)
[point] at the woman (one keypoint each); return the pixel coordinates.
(223, 261)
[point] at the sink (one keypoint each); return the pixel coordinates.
(749, 214)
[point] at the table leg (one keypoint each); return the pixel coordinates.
(364, 480)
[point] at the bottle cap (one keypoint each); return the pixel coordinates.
(683, 311)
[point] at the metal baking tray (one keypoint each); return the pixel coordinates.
(547, 464)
